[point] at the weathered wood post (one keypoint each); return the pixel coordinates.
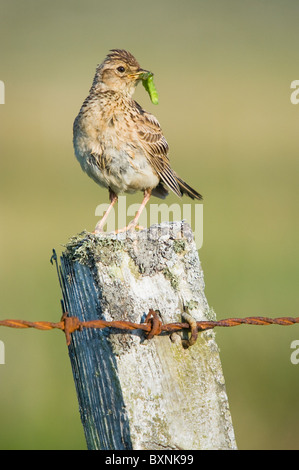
(136, 393)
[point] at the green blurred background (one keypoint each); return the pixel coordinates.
(223, 70)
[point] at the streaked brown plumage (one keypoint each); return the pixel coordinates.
(120, 145)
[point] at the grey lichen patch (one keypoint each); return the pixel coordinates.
(179, 246)
(78, 248)
(192, 304)
(109, 253)
(150, 257)
(173, 278)
(86, 248)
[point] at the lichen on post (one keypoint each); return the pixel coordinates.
(136, 393)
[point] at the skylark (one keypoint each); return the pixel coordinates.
(119, 144)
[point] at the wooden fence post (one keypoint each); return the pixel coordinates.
(136, 393)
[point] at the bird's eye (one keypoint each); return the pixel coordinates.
(121, 69)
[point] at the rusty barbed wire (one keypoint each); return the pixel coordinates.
(152, 324)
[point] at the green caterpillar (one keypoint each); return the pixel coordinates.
(149, 85)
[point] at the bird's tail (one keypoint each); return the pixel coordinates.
(186, 189)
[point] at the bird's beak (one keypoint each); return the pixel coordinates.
(141, 74)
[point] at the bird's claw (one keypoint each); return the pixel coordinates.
(129, 228)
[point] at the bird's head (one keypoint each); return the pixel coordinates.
(120, 72)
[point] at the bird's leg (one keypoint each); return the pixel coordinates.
(133, 224)
(100, 225)
(147, 195)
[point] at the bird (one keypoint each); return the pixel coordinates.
(119, 144)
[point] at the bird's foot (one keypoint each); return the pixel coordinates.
(129, 228)
(98, 229)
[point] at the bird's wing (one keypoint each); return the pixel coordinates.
(153, 142)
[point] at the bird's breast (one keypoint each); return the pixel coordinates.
(107, 149)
